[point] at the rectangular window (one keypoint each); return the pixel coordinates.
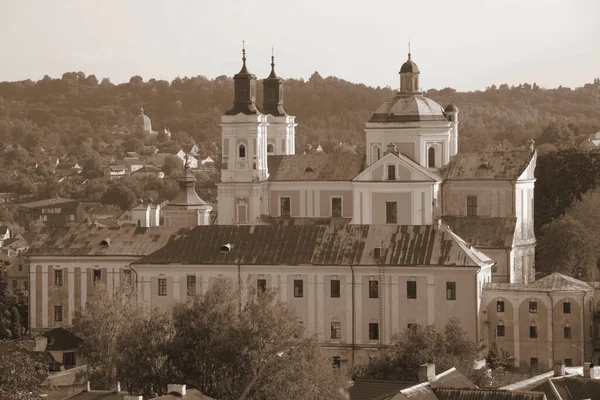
(411, 326)
(335, 288)
(14, 284)
(337, 362)
(391, 212)
(373, 331)
(533, 361)
(373, 289)
(566, 307)
(191, 285)
(336, 207)
(58, 277)
(69, 359)
(97, 276)
(471, 206)
(261, 285)
(391, 172)
(127, 277)
(567, 332)
(533, 307)
(500, 331)
(533, 332)
(162, 286)
(568, 362)
(411, 290)
(284, 207)
(450, 290)
(336, 330)
(500, 306)
(58, 313)
(298, 288)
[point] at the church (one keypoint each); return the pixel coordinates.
(412, 173)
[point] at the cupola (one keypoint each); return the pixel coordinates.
(244, 101)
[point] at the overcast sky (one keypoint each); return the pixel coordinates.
(463, 44)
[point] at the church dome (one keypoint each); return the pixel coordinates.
(409, 108)
(142, 122)
(409, 67)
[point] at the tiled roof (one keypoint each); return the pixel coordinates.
(552, 282)
(317, 167)
(49, 202)
(484, 233)
(485, 394)
(147, 169)
(29, 236)
(403, 245)
(366, 389)
(87, 241)
(500, 165)
(570, 387)
(409, 108)
(451, 378)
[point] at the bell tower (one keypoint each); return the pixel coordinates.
(282, 133)
(242, 193)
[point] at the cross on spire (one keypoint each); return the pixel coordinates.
(409, 49)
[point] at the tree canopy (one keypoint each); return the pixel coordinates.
(21, 376)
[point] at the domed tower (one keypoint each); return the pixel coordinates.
(242, 193)
(282, 133)
(142, 122)
(417, 125)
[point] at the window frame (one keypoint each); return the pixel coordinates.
(373, 330)
(162, 286)
(58, 277)
(471, 206)
(272, 151)
(336, 330)
(97, 275)
(58, 313)
(533, 332)
(500, 306)
(190, 285)
(341, 206)
(567, 332)
(298, 288)
(430, 157)
(450, 290)
(335, 292)
(567, 307)
(411, 290)
(500, 330)
(533, 308)
(242, 149)
(391, 214)
(373, 289)
(391, 172)
(282, 211)
(261, 285)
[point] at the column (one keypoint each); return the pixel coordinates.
(32, 297)
(395, 315)
(517, 338)
(45, 296)
(110, 275)
(320, 306)
(83, 287)
(71, 291)
(430, 299)
(348, 298)
(358, 317)
(311, 303)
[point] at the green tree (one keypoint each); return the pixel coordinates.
(567, 247)
(21, 376)
(421, 344)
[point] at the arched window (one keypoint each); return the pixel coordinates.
(375, 153)
(270, 148)
(242, 151)
(431, 157)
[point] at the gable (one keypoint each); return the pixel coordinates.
(406, 170)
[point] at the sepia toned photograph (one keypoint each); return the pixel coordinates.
(317, 200)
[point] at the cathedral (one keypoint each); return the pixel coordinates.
(412, 174)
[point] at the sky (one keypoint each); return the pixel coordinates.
(463, 44)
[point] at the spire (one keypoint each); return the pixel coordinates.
(245, 90)
(273, 91)
(409, 49)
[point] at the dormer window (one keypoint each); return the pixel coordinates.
(242, 151)
(309, 169)
(270, 148)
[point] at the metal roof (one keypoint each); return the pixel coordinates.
(87, 241)
(484, 233)
(508, 165)
(485, 394)
(409, 108)
(315, 167)
(57, 201)
(400, 245)
(552, 282)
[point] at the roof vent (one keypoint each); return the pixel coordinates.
(105, 242)
(377, 253)
(485, 165)
(226, 248)
(308, 169)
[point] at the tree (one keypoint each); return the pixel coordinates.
(106, 316)
(21, 376)
(423, 344)
(498, 358)
(567, 247)
(172, 165)
(233, 345)
(119, 195)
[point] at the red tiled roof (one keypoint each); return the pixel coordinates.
(487, 165)
(315, 167)
(403, 245)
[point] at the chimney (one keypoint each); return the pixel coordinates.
(175, 388)
(426, 372)
(118, 387)
(559, 370)
(87, 386)
(588, 371)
